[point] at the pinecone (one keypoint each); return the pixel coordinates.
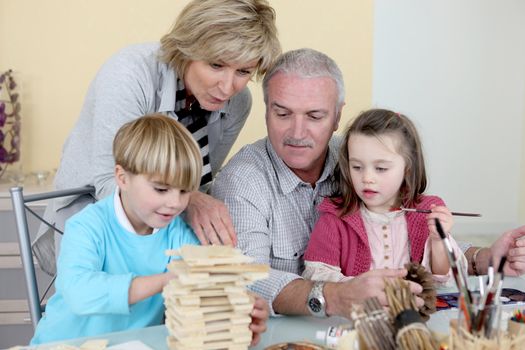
(418, 274)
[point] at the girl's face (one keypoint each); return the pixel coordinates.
(377, 170)
(147, 202)
(214, 83)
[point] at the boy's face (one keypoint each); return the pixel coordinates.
(147, 202)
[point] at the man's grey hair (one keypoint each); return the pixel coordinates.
(307, 63)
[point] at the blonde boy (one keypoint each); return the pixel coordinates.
(112, 265)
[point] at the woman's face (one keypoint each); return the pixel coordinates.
(214, 83)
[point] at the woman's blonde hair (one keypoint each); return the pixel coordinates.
(157, 145)
(237, 31)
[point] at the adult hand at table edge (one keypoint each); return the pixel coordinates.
(511, 244)
(210, 219)
(341, 296)
(259, 314)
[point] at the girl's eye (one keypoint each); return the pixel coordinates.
(380, 169)
(216, 65)
(355, 167)
(161, 189)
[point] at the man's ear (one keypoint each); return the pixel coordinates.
(121, 176)
(338, 116)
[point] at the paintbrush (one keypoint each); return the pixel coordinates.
(428, 211)
(465, 299)
(493, 299)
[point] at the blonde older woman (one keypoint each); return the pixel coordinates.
(197, 75)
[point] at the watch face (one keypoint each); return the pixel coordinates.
(315, 305)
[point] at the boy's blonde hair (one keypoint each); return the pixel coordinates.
(237, 31)
(157, 145)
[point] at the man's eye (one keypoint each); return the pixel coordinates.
(315, 116)
(281, 113)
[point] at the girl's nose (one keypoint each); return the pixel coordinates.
(368, 177)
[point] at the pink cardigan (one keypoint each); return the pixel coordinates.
(343, 241)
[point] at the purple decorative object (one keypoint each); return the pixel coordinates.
(9, 121)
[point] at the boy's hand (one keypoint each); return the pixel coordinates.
(445, 219)
(260, 314)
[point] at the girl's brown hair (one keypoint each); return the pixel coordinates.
(377, 122)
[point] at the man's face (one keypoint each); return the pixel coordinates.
(301, 116)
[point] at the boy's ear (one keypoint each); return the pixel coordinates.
(121, 176)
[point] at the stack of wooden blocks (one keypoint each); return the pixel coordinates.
(207, 304)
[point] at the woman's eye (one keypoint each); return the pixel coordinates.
(215, 65)
(244, 72)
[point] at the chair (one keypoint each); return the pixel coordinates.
(20, 210)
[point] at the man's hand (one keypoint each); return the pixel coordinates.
(341, 296)
(260, 314)
(512, 245)
(210, 220)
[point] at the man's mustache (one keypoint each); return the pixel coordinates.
(289, 141)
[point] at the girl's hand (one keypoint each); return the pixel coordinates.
(260, 314)
(445, 218)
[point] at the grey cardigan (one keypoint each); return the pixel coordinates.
(130, 84)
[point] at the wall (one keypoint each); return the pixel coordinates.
(56, 46)
(457, 69)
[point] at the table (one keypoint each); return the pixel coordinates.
(290, 328)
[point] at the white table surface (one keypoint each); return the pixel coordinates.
(288, 329)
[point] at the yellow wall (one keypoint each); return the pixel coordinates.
(56, 46)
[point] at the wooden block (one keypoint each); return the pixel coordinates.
(173, 344)
(195, 255)
(94, 344)
(209, 301)
(204, 279)
(181, 266)
(239, 298)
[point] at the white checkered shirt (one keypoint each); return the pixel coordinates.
(273, 211)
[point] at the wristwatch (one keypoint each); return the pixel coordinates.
(316, 302)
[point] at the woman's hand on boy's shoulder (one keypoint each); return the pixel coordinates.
(210, 219)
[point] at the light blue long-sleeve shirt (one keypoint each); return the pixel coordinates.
(98, 260)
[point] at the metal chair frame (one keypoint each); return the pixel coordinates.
(19, 209)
